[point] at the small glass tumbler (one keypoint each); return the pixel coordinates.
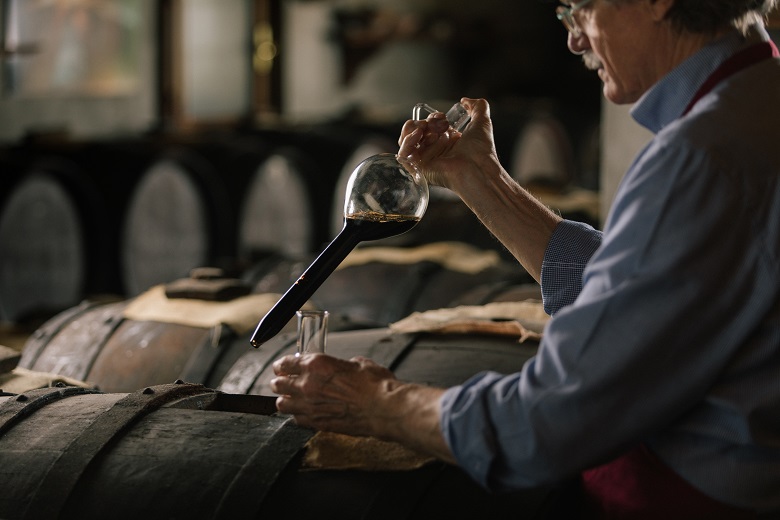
(312, 331)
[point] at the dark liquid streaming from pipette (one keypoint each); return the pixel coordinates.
(357, 228)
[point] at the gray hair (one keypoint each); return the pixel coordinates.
(702, 16)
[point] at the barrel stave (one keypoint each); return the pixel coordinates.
(168, 454)
(34, 444)
(445, 361)
(141, 353)
(446, 285)
(71, 350)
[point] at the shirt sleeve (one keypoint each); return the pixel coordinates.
(570, 248)
(663, 304)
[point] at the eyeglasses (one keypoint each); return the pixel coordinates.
(566, 16)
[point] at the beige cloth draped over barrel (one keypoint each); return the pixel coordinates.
(455, 256)
(526, 320)
(327, 450)
(20, 380)
(240, 314)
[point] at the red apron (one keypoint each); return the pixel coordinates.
(639, 486)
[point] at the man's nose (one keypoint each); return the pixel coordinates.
(578, 44)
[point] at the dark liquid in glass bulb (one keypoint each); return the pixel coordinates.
(357, 228)
(371, 225)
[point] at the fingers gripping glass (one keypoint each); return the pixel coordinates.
(566, 16)
(457, 115)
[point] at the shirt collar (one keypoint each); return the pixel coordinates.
(667, 99)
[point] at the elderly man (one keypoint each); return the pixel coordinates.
(658, 378)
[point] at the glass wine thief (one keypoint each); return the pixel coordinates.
(384, 198)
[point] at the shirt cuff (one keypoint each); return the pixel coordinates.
(466, 427)
(571, 246)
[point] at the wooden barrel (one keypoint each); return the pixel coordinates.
(542, 151)
(279, 208)
(554, 153)
(185, 451)
(501, 291)
(190, 329)
(224, 199)
(448, 219)
(440, 360)
(50, 222)
(379, 285)
(92, 455)
(176, 216)
(150, 339)
(104, 344)
(310, 157)
(144, 209)
(269, 186)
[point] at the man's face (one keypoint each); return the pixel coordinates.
(618, 42)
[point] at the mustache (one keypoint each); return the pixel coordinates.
(591, 61)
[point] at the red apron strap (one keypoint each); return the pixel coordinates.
(741, 60)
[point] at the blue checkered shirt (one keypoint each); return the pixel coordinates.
(666, 329)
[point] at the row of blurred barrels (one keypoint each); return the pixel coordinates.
(161, 409)
(118, 216)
